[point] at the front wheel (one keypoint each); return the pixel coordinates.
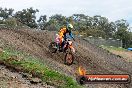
(69, 58)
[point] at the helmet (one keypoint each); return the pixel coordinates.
(69, 27)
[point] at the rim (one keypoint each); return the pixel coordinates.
(69, 58)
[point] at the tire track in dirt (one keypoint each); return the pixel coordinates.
(109, 60)
(105, 62)
(36, 43)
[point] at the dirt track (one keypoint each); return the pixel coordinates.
(95, 60)
(10, 79)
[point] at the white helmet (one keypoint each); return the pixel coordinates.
(69, 27)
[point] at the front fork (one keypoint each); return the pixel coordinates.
(72, 50)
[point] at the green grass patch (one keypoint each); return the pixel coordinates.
(32, 65)
(113, 48)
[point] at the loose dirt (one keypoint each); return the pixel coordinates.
(94, 59)
(11, 79)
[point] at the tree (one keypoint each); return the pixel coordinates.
(11, 22)
(59, 19)
(56, 21)
(96, 33)
(80, 23)
(85, 23)
(42, 22)
(27, 17)
(103, 24)
(6, 13)
(122, 32)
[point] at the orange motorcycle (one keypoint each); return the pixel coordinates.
(67, 49)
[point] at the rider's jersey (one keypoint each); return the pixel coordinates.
(62, 35)
(63, 31)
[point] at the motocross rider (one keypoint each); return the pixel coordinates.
(62, 34)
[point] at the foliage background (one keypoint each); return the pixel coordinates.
(96, 26)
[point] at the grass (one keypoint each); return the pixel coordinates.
(32, 65)
(121, 52)
(113, 48)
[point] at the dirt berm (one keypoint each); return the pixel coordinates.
(94, 59)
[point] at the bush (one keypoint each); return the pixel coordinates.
(11, 22)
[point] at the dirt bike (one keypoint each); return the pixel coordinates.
(69, 57)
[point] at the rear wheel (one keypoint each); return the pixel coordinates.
(53, 47)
